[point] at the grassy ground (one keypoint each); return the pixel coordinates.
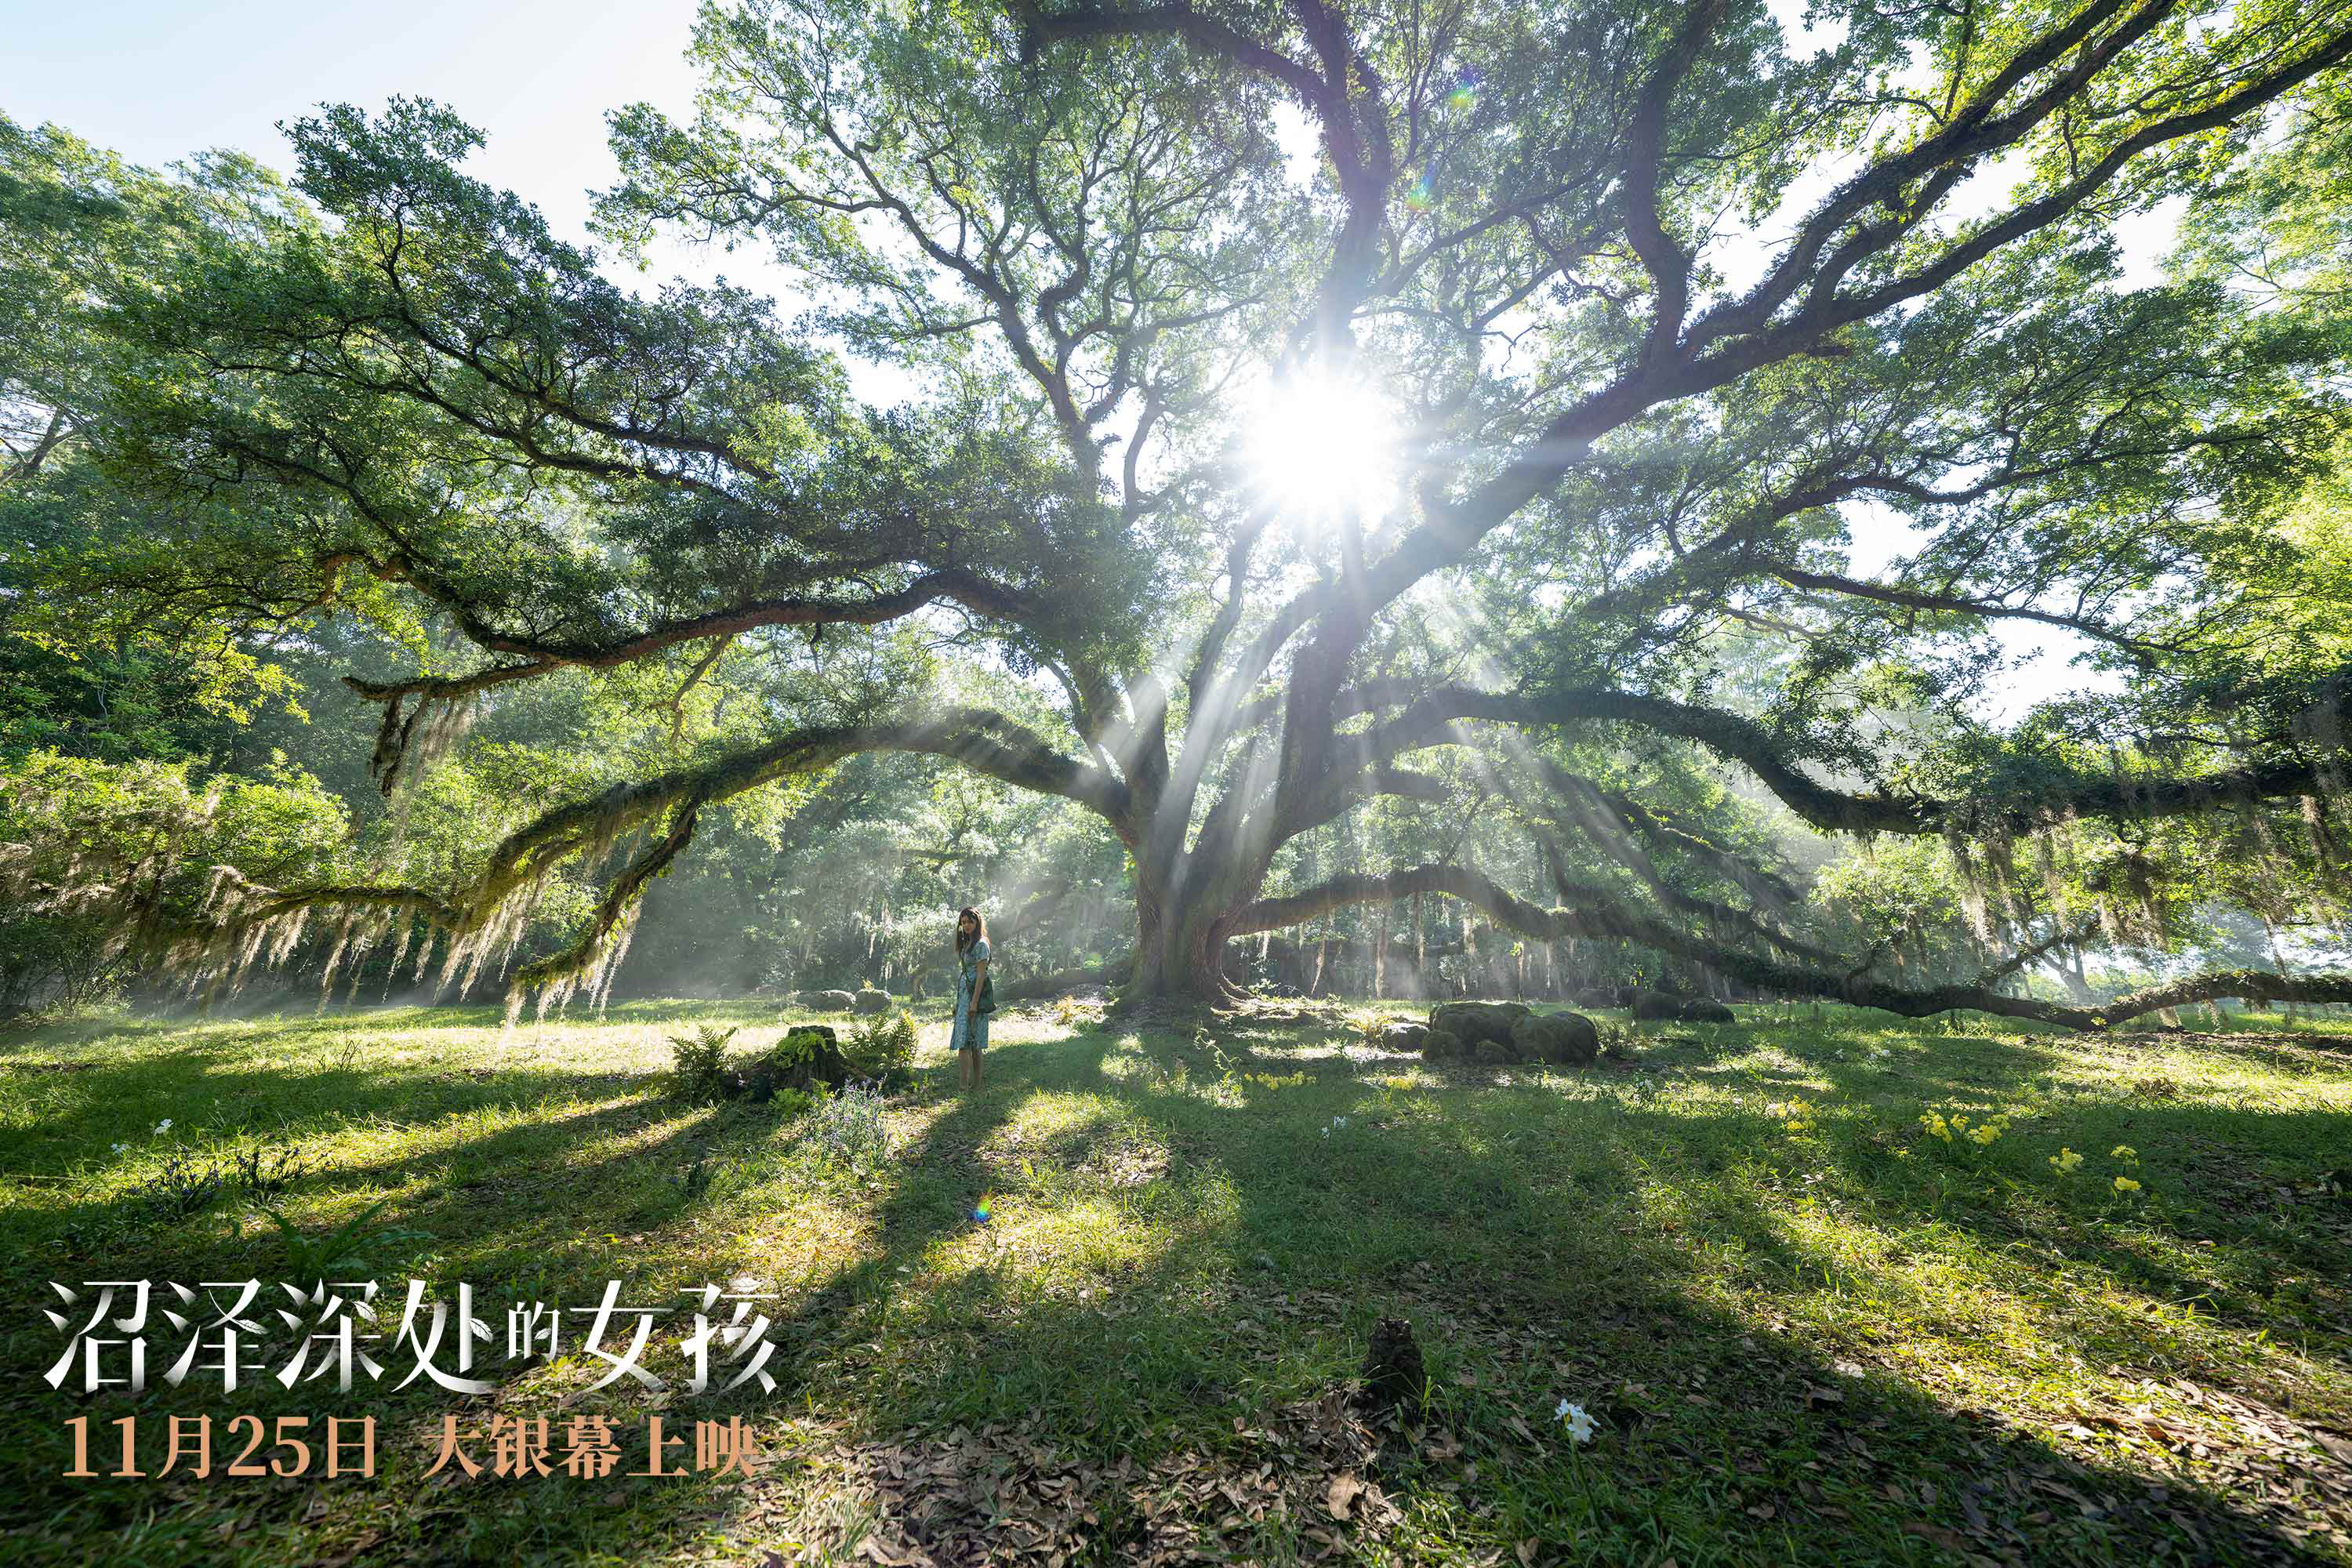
(1806, 1328)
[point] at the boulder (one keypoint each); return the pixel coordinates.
(1474, 1021)
(1405, 1037)
(1441, 1046)
(824, 1001)
(1494, 1053)
(1653, 1007)
(1707, 1011)
(1568, 1040)
(870, 1001)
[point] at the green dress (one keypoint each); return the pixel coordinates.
(971, 1030)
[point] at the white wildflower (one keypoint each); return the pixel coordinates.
(1581, 1427)
(163, 1126)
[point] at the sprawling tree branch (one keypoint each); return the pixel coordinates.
(1594, 914)
(1430, 722)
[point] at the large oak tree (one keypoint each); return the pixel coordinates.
(1626, 312)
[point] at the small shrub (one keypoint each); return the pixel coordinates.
(699, 1071)
(849, 1126)
(884, 1050)
(266, 1173)
(1077, 1013)
(181, 1189)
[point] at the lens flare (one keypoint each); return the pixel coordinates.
(1464, 96)
(1323, 446)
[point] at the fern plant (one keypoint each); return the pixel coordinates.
(883, 1049)
(699, 1069)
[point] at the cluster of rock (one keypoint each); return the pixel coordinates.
(1498, 1033)
(1656, 1006)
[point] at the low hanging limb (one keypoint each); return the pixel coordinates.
(1597, 915)
(482, 912)
(1589, 815)
(598, 951)
(406, 702)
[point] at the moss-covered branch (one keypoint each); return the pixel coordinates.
(1594, 914)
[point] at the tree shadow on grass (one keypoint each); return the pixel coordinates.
(1738, 1438)
(1545, 1245)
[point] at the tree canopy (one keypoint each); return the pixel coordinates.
(1322, 423)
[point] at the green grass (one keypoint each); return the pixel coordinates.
(1810, 1329)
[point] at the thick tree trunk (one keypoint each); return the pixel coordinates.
(1180, 953)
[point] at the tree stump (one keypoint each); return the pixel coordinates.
(1394, 1378)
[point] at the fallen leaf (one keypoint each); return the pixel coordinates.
(1949, 1540)
(366, 1543)
(1341, 1494)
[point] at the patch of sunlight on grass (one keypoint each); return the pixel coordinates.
(1175, 1253)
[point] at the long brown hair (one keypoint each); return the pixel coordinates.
(979, 929)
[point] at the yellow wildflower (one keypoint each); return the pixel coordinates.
(2125, 1153)
(2125, 1184)
(2065, 1160)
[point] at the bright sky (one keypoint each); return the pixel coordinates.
(156, 82)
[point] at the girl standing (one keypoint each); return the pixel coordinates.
(974, 999)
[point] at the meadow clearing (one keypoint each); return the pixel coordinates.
(1802, 1322)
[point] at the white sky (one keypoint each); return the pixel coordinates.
(157, 81)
